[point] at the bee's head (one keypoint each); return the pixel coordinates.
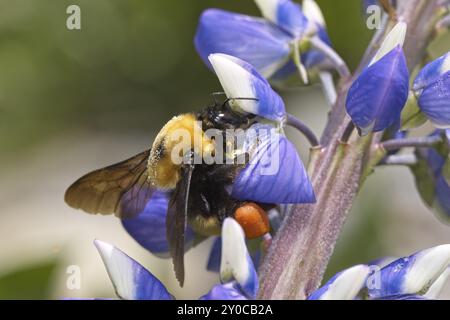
(180, 136)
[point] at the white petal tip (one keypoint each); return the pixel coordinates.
(312, 11)
(347, 284)
(268, 9)
(436, 288)
(446, 64)
(105, 249)
(236, 80)
(427, 267)
(396, 37)
(234, 262)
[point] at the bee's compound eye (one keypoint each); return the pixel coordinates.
(253, 219)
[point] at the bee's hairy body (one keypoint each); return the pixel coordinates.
(209, 203)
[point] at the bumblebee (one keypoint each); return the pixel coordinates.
(198, 191)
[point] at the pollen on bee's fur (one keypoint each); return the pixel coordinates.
(253, 220)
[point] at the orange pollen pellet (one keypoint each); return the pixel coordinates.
(253, 219)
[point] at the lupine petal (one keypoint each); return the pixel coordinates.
(251, 39)
(432, 72)
(438, 285)
(275, 173)
(343, 286)
(414, 274)
(131, 280)
(312, 58)
(395, 38)
(313, 13)
(236, 263)
(149, 227)
(240, 80)
(227, 291)
(216, 252)
(434, 101)
(284, 13)
(376, 99)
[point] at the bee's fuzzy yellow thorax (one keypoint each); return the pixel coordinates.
(180, 135)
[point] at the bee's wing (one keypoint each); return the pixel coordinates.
(176, 221)
(122, 188)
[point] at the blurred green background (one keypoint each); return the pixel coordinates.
(73, 101)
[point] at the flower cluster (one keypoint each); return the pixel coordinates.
(275, 45)
(419, 276)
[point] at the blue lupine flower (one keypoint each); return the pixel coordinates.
(267, 44)
(263, 179)
(240, 80)
(417, 277)
(413, 275)
(434, 290)
(275, 173)
(251, 39)
(345, 285)
(432, 87)
(377, 97)
(132, 281)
